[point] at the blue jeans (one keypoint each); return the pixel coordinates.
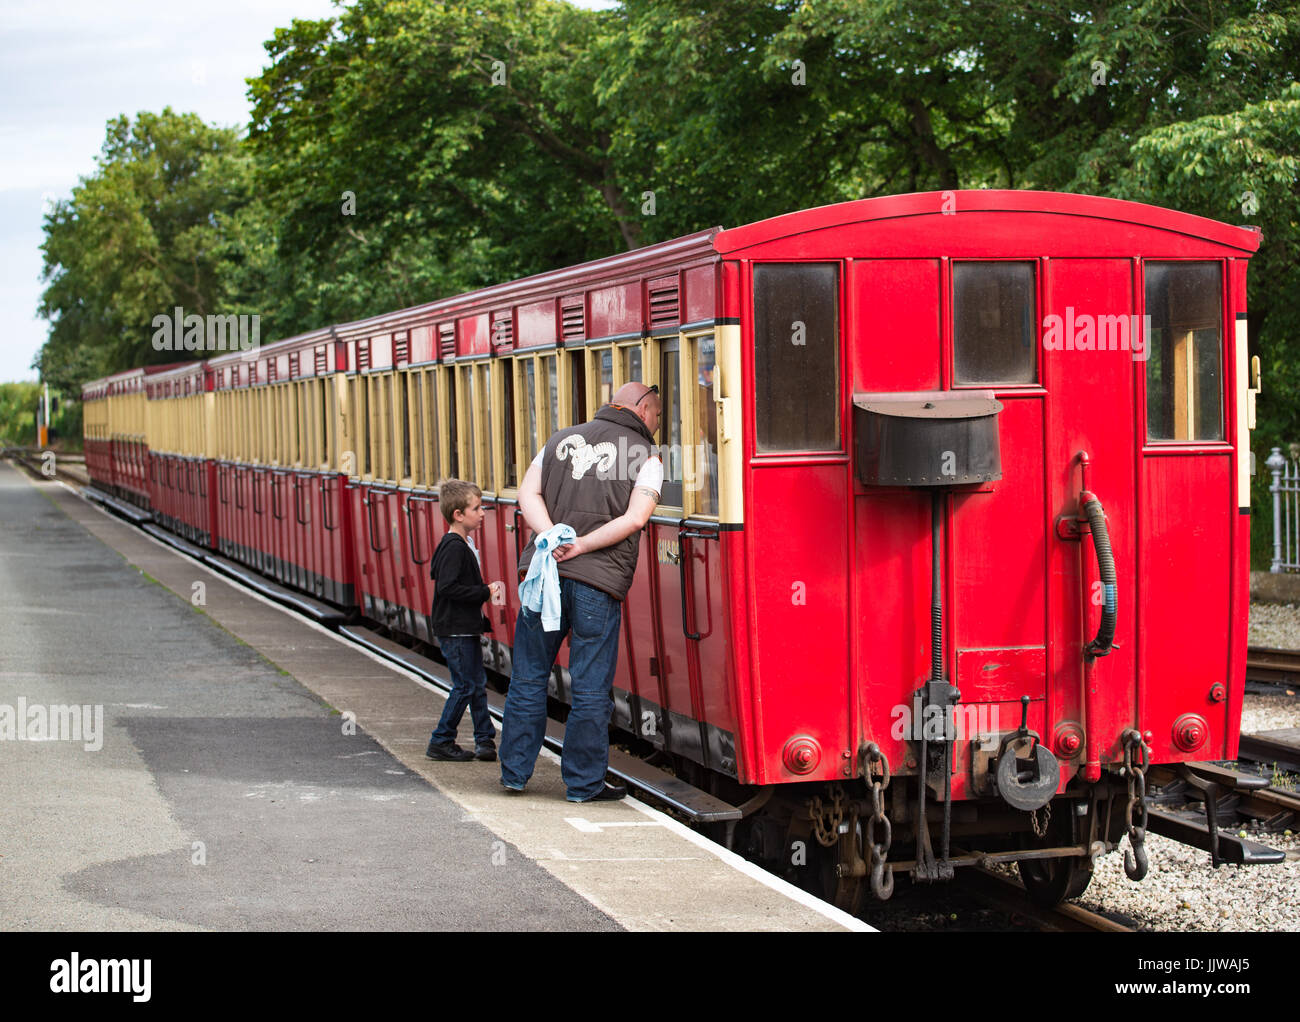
(468, 688)
(591, 619)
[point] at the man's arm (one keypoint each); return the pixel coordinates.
(639, 509)
(530, 501)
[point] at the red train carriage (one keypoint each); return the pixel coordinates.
(179, 475)
(278, 482)
(943, 459)
(117, 452)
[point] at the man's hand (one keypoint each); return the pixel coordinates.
(639, 510)
(569, 550)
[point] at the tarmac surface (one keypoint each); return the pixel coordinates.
(252, 771)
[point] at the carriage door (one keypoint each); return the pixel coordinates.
(797, 511)
(1188, 505)
(1089, 369)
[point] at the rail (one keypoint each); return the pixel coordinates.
(1009, 895)
(1272, 666)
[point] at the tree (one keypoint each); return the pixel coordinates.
(415, 149)
(150, 230)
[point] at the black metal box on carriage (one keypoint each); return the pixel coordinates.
(928, 438)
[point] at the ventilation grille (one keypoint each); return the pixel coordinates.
(252, 373)
(503, 329)
(294, 364)
(322, 362)
(573, 319)
(271, 374)
(363, 356)
(446, 341)
(664, 304)
(401, 348)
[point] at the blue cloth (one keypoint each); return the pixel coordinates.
(540, 590)
(591, 620)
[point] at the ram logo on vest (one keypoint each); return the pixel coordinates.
(582, 456)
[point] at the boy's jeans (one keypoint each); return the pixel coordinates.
(468, 688)
(593, 617)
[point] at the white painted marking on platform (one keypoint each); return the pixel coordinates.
(765, 878)
(625, 858)
(587, 827)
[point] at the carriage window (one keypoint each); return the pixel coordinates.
(578, 387)
(796, 357)
(551, 420)
(508, 369)
(378, 427)
(1184, 364)
(670, 423)
(483, 424)
(630, 363)
(605, 376)
(361, 414)
(416, 428)
(402, 422)
(705, 451)
(329, 455)
(530, 407)
(432, 428)
(993, 323)
(306, 391)
(468, 426)
(453, 431)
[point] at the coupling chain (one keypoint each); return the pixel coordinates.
(826, 819)
(1135, 815)
(875, 768)
(1040, 831)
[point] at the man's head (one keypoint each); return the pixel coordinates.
(642, 401)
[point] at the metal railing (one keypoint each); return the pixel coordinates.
(1286, 511)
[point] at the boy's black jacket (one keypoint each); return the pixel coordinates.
(459, 592)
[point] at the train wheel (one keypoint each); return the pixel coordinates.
(844, 891)
(1052, 881)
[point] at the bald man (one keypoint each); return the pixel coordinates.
(602, 478)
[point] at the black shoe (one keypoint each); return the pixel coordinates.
(448, 751)
(609, 793)
(487, 753)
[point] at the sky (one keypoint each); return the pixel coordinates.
(67, 67)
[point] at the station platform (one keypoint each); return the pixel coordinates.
(254, 771)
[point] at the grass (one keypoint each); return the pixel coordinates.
(1282, 779)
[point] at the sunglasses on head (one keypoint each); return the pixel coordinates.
(654, 389)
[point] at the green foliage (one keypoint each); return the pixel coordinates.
(467, 139)
(150, 230)
(18, 403)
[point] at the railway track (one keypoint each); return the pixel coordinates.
(1243, 804)
(1007, 894)
(71, 467)
(1271, 666)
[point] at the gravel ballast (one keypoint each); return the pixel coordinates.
(1182, 891)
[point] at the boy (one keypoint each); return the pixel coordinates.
(458, 621)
